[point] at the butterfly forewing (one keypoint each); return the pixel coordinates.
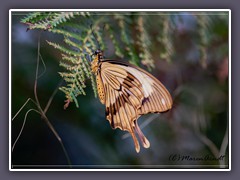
(156, 96)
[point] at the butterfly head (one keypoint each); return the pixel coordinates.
(98, 55)
(98, 51)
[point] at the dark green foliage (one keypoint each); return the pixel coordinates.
(135, 36)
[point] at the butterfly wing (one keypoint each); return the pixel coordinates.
(156, 97)
(130, 92)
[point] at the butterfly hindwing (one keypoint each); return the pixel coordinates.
(122, 98)
(159, 100)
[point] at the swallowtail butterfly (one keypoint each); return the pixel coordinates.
(128, 92)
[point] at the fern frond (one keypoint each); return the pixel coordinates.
(134, 36)
(126, 37)
(66, 33)
(144, 43)
(203, 23)
(70, 59)
(32, 17)
(166, 38)
(116, 44)
(64, 49)
(49, 20)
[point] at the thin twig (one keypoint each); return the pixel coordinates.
(224, 147)
(24, 121)
(36, 76)
(213, 148)
(42, 111)
(23, 107)
(58, 138)
(51, 97)
(44, 66)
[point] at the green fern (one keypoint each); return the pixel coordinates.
(49, 20)
(206, 36)
(127, 37)
(203, 23)
(145, 43)
(130, 34)
(166, 38)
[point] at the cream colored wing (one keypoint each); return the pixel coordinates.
(129, 93)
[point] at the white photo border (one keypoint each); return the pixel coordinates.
(120, 10)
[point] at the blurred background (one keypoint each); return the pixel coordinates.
(190, 59)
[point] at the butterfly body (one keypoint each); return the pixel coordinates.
(128, 92)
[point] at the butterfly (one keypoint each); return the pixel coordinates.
(128, 92)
